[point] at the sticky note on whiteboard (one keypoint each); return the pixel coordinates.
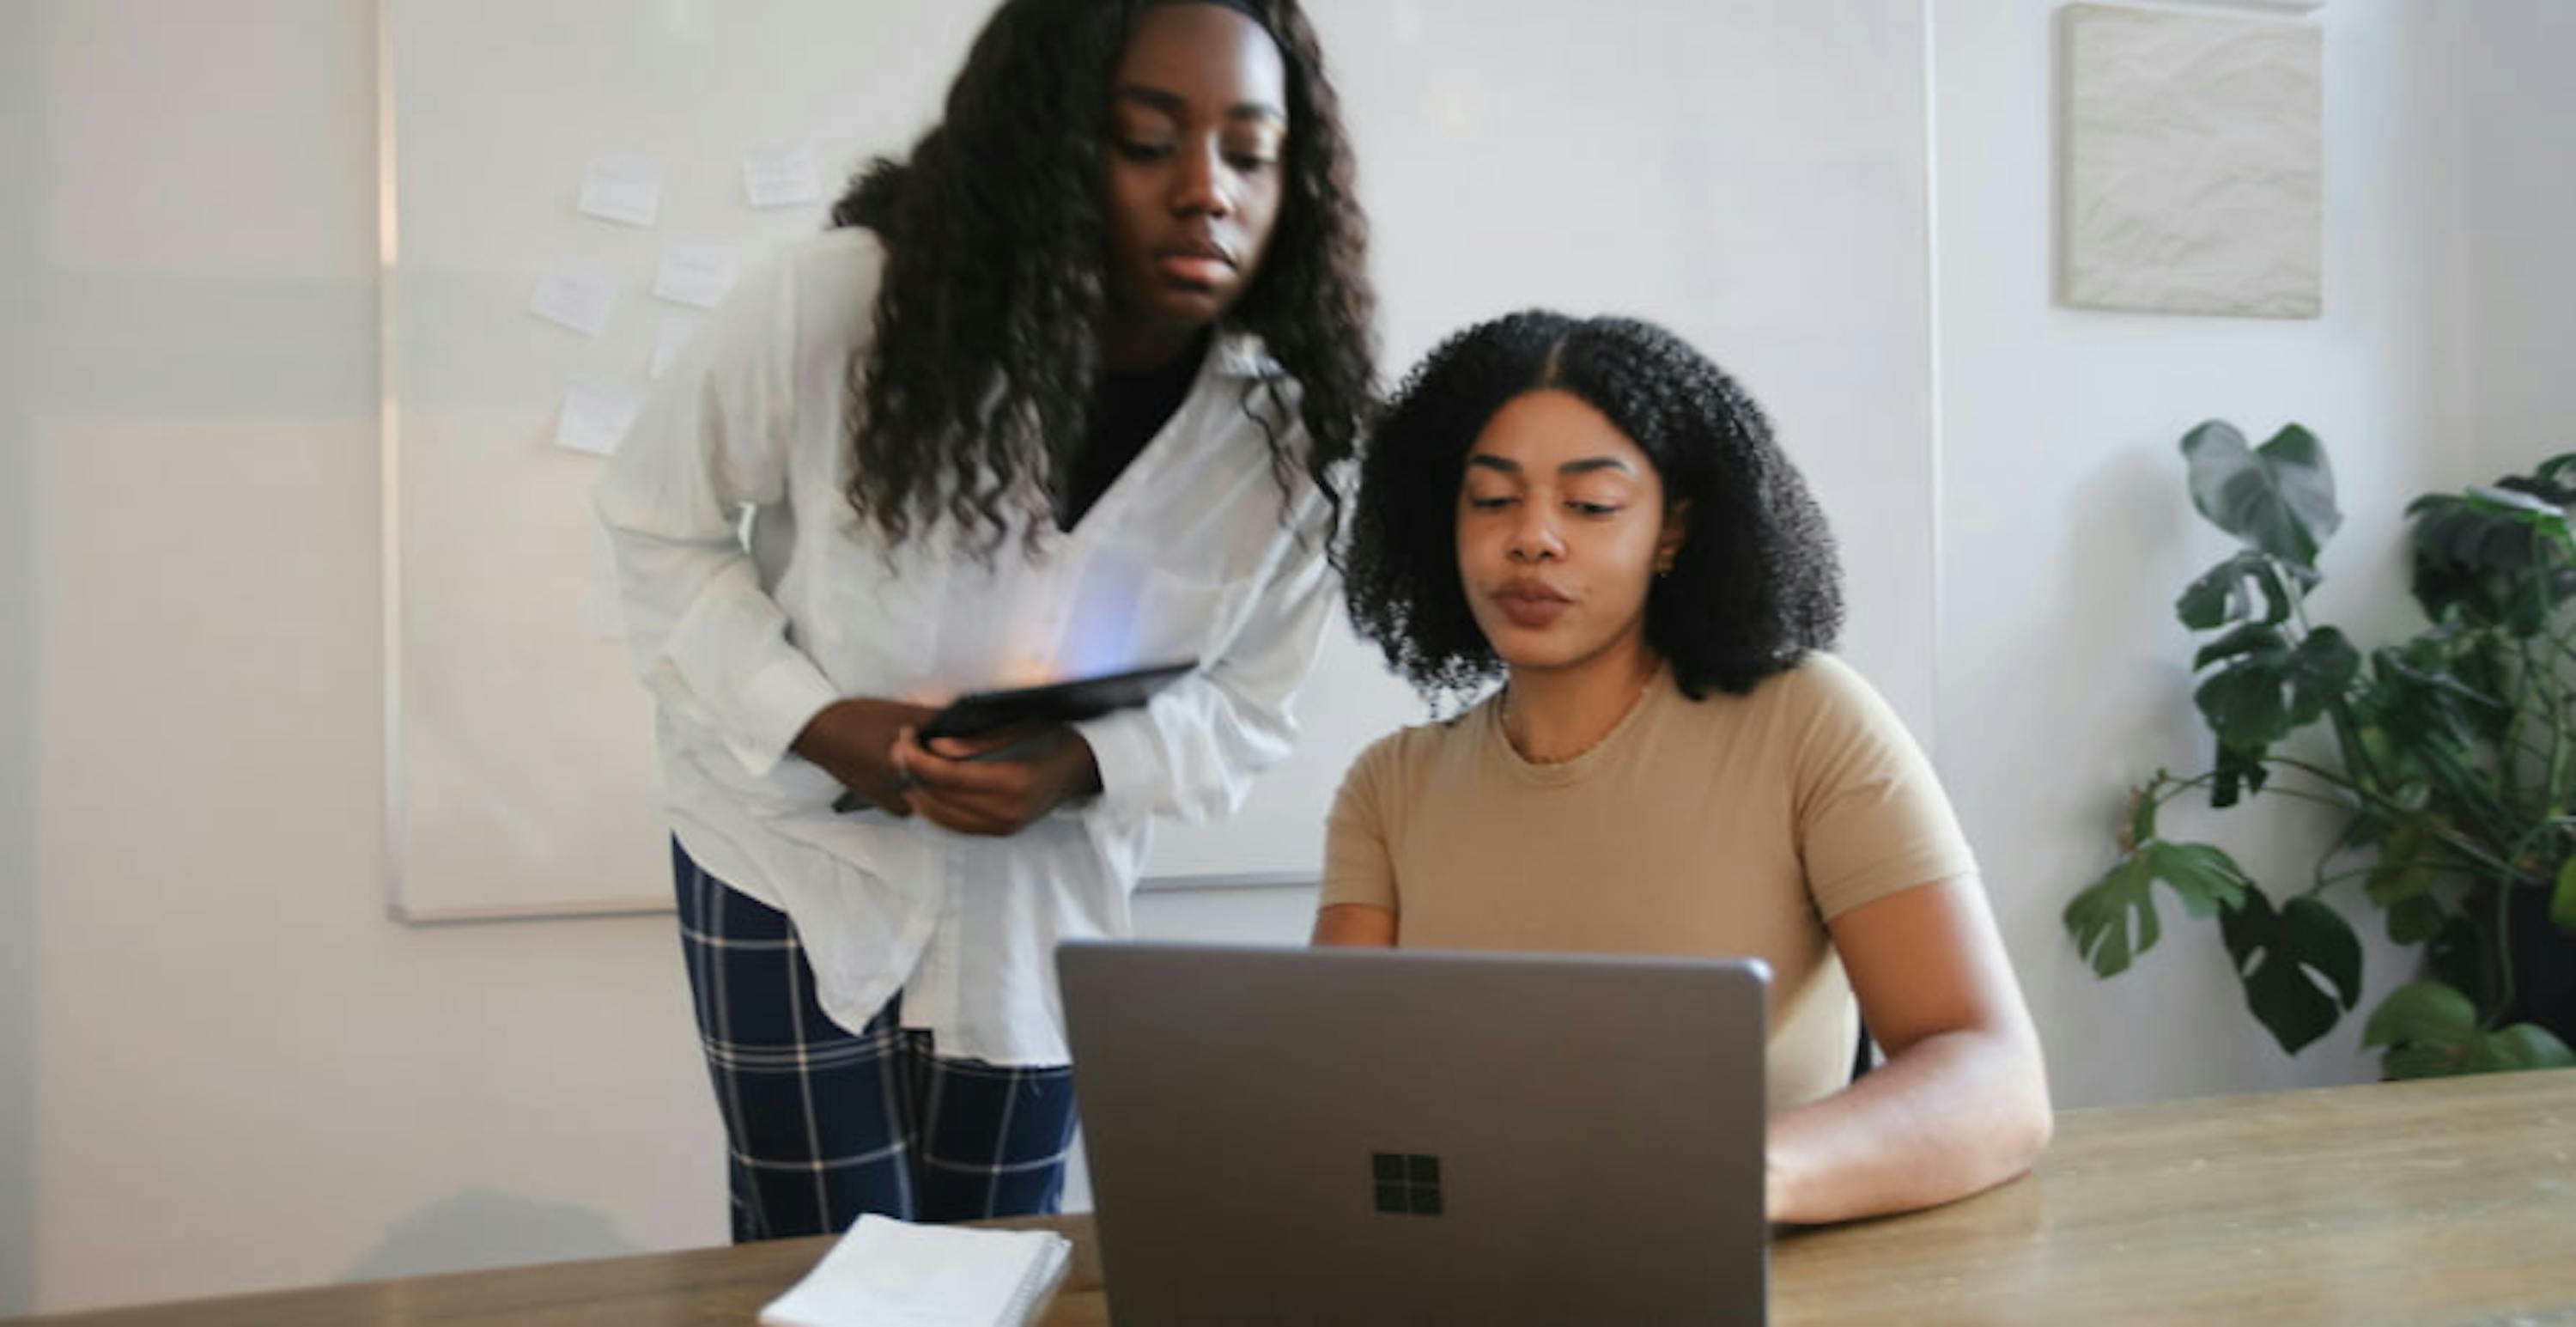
(594, 421)
(623, 189)
(782, 176)
(578, 300)
(694, 273)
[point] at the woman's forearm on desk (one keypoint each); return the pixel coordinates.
(1956, 1114)
(1961, 1104)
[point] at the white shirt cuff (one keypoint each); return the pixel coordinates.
(773, 707)
(1122, 745)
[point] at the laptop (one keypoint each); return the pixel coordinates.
(1358, 1136)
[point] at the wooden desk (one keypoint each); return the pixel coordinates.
(2441, 1202)
(2450, 1201)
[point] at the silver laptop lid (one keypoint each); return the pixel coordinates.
(1302, 1136)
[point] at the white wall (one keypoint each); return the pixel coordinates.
(222, 1069)
(2068, 532)
(20, 160)
(244, 1075)
(2520, 152)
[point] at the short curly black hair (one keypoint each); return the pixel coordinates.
(1755, 585)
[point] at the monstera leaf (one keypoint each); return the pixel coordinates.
(2301, 965)
(2269, 687)
(2228, 592)
(2552, 481)
(2499, 556)
(2430, 1030)
(2116, 918)
(2278, 498)
(2265, 688)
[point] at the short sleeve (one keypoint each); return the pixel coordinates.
(1871, 817)
(1358, 865)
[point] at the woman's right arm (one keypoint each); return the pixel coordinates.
(709, 641)
(1359, 895)
(1361, 924)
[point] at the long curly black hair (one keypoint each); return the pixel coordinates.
(1755, 585)
(986, 353)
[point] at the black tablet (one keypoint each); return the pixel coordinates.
(1057, 702)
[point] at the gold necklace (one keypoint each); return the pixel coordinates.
(1503, 715)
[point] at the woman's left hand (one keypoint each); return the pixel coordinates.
(998, 796)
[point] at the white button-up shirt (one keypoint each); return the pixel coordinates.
(1194, 552)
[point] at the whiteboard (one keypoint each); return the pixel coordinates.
(1752, 173)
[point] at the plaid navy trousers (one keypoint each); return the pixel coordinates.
(824, 1124)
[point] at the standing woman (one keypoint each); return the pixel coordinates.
(1060, 394)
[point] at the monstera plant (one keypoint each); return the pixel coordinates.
(2449, 758)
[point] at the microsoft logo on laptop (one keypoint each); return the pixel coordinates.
(1406, 1183)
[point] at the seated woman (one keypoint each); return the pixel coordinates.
(1595, 514)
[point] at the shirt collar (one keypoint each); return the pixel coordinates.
(1241, 354)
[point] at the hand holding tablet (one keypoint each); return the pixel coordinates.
(1039, 709)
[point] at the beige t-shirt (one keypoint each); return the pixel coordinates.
(1732, 826)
